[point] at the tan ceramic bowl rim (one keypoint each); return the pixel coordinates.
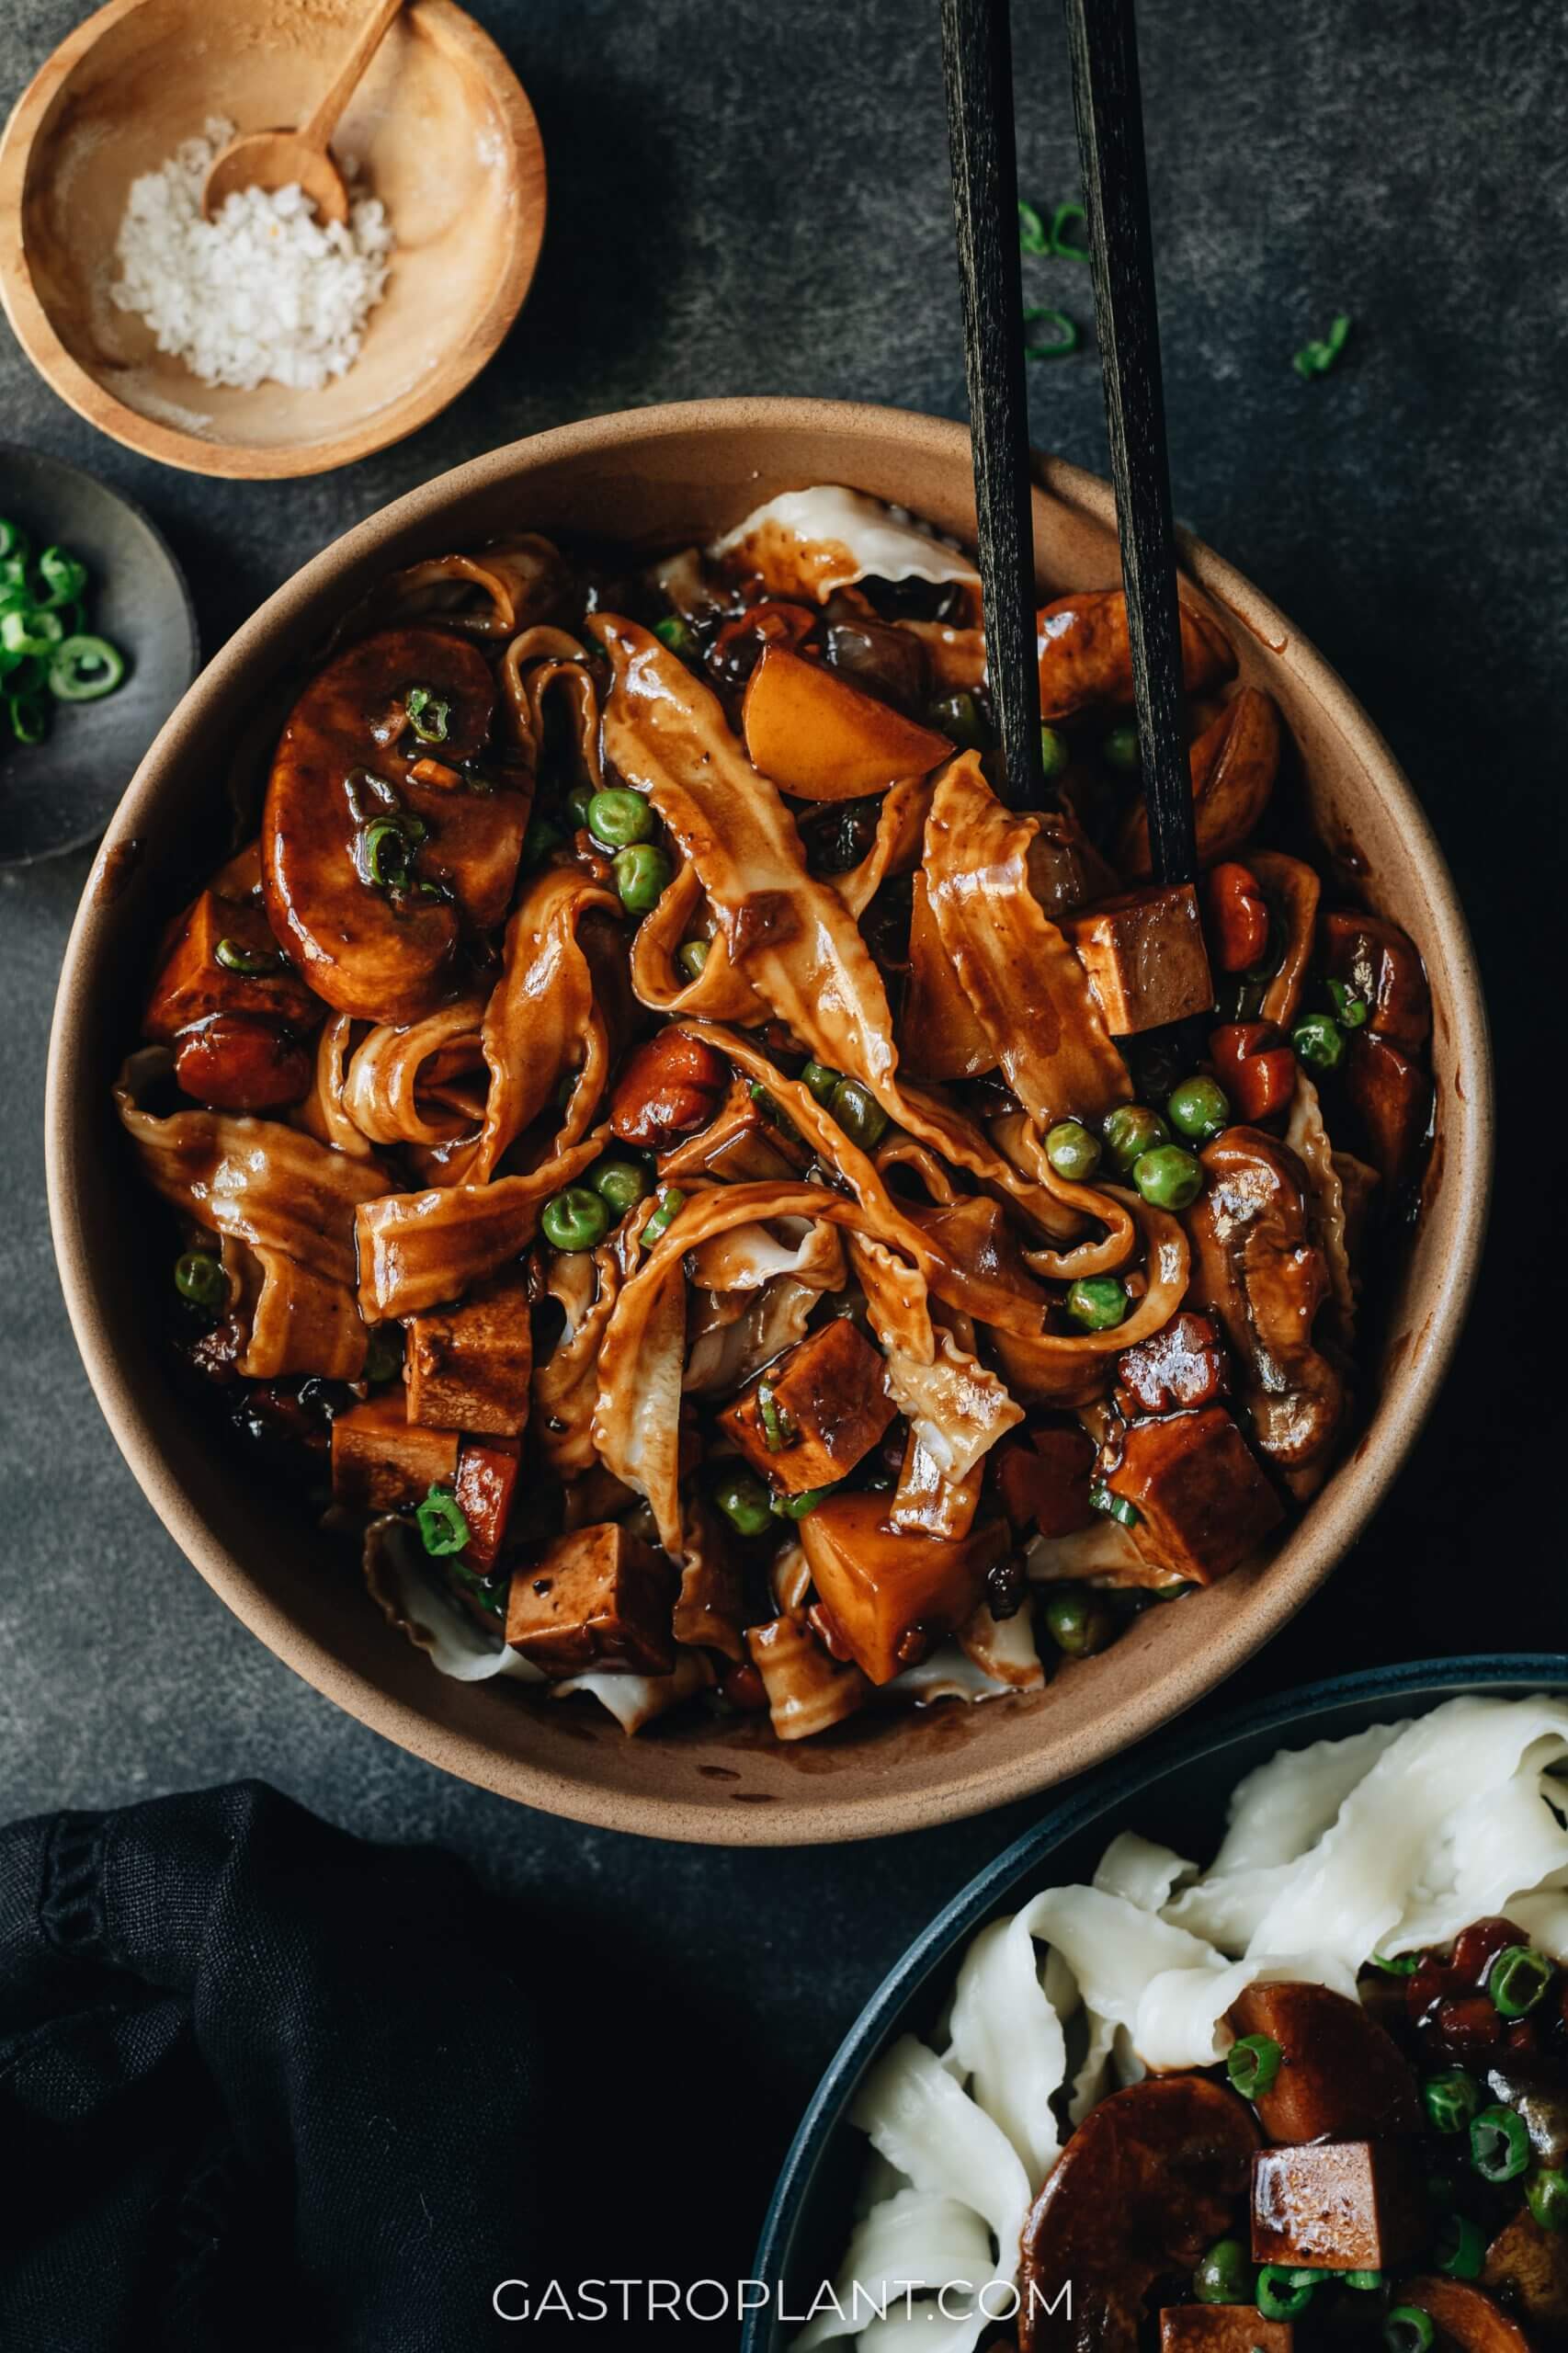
(1353, 1493)
(84, 392)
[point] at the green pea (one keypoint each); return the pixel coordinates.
(675, 633)
(619, 818)
(691, 956)
(1199, 1108)
(957, 716)
(1080, 1622)
(574, 1219)
(1225, 2275)
(1054, 752)
(1072, 1151)
(1168, 1177)
(819, 1080)
(579, 800)
(383, 1352)
(1546, 2195)
(1319, 1041)
(1121, 748)
(858, 1113)
(199, 1277)
(621, 1183)
(671, 1201)
(746, 1504)
(642, 877)
(1130, 1132)
(1096, 1303)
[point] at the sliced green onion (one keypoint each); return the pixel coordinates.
(672, 1201)
(1400, 1964)
(1451, 2100)
(779, 1429)
(251, 963)
(13, 540)
(29, 715)
(800, 1507)
(1252, 2064)
(745, 1503)
(384, 849)
(1366, 2280)
(1114, 1506)
(428, 714)
(1034, 238)
(24, 631)
(675, 633)
(1462, 2250)
(1407, 2329)
(1316, 358)
(64, 579)
(1283, 2294)
(1067, 337)
(443, 1524)
(1499, 2144)
(1350, 1010)
(1054, 752)
(1064, 217)
(1517, 1980)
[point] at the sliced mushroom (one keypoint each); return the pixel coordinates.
(1150, 2177)
(1341, 2076)
(343, 763)
(1530, 2265)
(1257, 1266)
(1465, 2316)
(1234, 763)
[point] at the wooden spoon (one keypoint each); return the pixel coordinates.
(273, 159)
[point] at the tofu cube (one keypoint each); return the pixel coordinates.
(1202, 1499)
(1144, 955)
(468, 1368)
(893, 1596)
(382, 1462)
(830, 1406)
(1340, 2205)
(1223, 2328)
(598, 1598)
(192, 985)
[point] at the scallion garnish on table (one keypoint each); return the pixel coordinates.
(47, 653)
(1316, 358)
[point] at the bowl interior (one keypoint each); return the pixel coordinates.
(438, 128)
(1177, 1798)
(658, 478)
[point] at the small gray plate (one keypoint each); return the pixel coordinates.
(58, 794)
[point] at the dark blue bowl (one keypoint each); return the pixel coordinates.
(1176, 1793)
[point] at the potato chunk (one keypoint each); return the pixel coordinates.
(382, 1462)
(892, 1595)
(1340, 2205)
(815, 1412)
(818, 737)
(1202, 1500)
(469, 1368)
(1144, 955)
(597, 1599)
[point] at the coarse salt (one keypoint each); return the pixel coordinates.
(266, 294)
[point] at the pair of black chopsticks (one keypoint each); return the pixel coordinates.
(977, 57)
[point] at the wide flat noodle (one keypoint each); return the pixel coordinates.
(535, 662)
(543, 1018)
(273, 1188)
(1309, 1139)
(1031, 994)
(418, 1249)
(321, 1114)
(380, 1094)
(721, 992)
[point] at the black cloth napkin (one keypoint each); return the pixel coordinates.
(261, 2085)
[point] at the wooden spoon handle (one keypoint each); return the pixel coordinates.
(317, 131)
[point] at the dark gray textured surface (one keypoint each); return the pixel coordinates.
(755, 200)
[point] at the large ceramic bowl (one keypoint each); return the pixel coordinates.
(1177, 1796)
(657, 477)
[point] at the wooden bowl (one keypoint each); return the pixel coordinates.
(446, 137)
(657, 477)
